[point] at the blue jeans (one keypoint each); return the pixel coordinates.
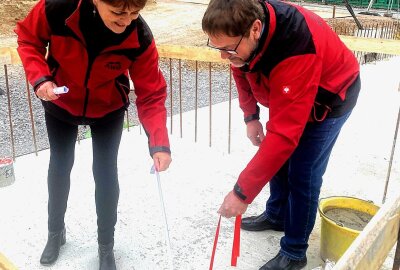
(295, 188)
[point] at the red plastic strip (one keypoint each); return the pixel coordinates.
(215, 243)
(236, 241)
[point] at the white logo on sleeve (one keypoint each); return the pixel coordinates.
(286, 89)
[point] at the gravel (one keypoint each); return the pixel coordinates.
(21, 124)
(182, 100)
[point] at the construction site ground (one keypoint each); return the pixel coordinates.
(199, 176)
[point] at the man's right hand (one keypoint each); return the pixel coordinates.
(255, 132)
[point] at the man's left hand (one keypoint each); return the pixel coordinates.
(232, 206)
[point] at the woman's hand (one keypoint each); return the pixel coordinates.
(161, 161)
(45, 91)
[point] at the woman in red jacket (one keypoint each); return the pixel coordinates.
(92, 47)
(286, 58)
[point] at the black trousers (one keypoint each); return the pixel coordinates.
(106, 137)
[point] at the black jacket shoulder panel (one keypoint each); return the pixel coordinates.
(145, 37)
(57, 11)
(144, 34)
(292, 37)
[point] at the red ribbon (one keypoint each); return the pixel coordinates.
(215, 243)
(236, 242)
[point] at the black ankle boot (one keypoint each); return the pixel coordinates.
(259, 223)
(54, 242)
(106, 257)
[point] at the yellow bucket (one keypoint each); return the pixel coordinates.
(335, 236)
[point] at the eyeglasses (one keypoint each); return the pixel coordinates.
(230, 51)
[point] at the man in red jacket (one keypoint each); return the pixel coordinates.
(286, 58)
(92, 47)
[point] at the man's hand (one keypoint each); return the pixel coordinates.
(232, 206)
(45, 91)
(161, 161)
(255, 132)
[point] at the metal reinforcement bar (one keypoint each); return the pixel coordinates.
(371, 46)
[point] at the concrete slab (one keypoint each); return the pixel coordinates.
(194, 187)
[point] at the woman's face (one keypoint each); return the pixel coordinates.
(116, 18)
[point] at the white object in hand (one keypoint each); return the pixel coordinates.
(60, 90)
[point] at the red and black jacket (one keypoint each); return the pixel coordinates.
(302, 72)
(52, 47)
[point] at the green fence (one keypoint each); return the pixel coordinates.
(378, 4)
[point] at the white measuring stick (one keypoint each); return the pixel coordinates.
(169, 250)
(60, 90)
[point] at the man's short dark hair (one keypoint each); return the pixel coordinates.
(231, 17)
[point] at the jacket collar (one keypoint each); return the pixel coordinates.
(73, 22)
(132, 41)
(267, 34)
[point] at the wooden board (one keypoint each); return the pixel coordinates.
(5, 264)
(370, 249)
(10, 56)
(203, 54)
(388, 46)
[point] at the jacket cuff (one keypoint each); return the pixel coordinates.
(238, 192)
(252, 117)
(41, 80)
(156, 149)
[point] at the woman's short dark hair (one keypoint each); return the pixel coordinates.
(231, 17)
(126, 3)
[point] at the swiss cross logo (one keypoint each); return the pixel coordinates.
(285, 89)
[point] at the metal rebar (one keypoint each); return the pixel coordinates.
(350, 9)
(180, 97)
(391, 157)
(210, 104)
(127, 119)
(31, 116)
(9, 113)
(170, 92)
(230, 110)
(195, 102)
(79, 139)
(385, 29)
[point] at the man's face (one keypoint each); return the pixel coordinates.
(237, 49)
(116, 19)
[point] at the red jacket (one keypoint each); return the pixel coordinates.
(98, 85)
(301, 69)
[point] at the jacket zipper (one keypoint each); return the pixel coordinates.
(85, 104)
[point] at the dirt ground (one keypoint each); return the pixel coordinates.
(12, 11)
(172, 22)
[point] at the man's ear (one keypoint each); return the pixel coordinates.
(255, 30)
